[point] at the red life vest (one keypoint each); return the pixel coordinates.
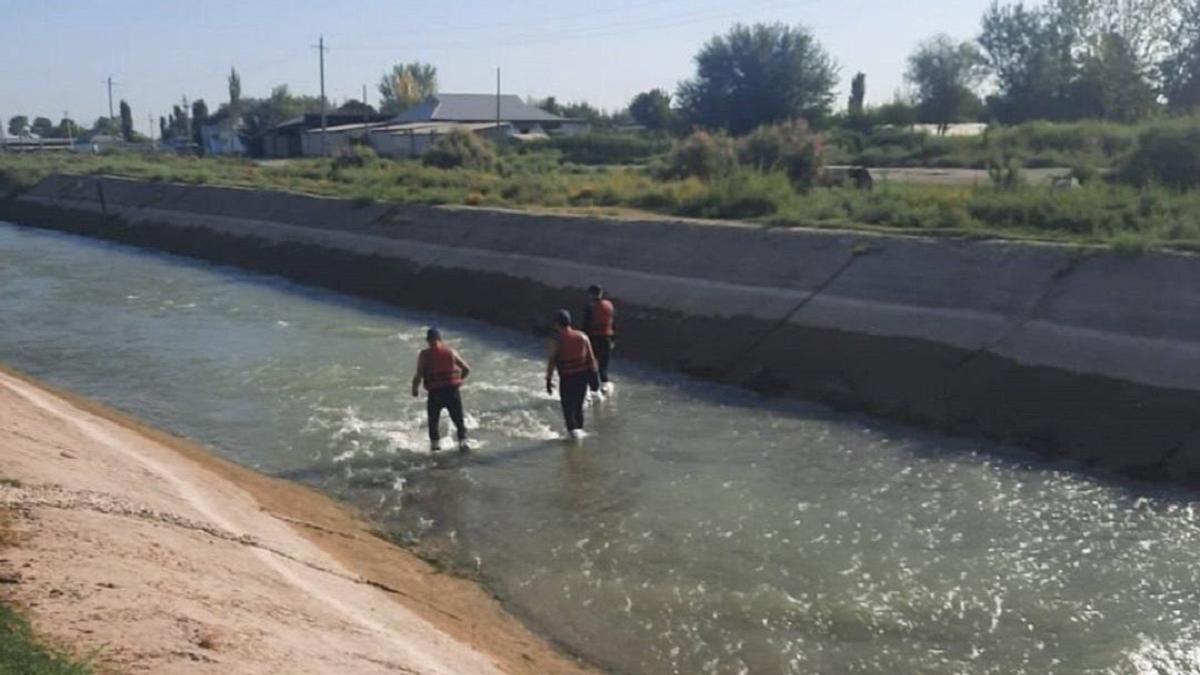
(440, 369)
(574, 353)
(601, 324)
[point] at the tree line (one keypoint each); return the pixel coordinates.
(1113, 60)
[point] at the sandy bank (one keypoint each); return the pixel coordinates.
(158, 557)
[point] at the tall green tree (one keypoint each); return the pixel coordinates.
(759, 74)
(199, 119)
(1180, 68)
(126, 121)
(1030, 53)
(652, 109)
(1112, 85)
(406, 85)
(18, 125)
(235, 93)
(944, 73)
(858, 96)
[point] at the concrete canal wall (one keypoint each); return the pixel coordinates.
(1075, 353)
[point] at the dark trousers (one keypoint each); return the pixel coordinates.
(572, 391)
(449, 400)
(602, 347)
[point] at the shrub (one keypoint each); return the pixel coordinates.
(740, 194)
(787, 147)
(1168, 155)
(609, 148)
(701, 155)
(461, 149)
(354, 157)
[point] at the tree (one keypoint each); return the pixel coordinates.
(1111, 85)
(235, 93)
(898, 113)
(757, 75)
(43, 127)
(652, 109)
(199, 119)
(944, 73)
(858, 96)
(164, 131)
(550, 105)
(1031, 55)
(126, 121)
(1071, 59)
(18, 125)
(105, 126)
(407, 85)
(356, 107)
(1180, 69)
(67, 128)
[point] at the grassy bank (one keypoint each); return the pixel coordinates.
(20, 652)
(1119, 215)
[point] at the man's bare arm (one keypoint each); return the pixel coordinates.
(462, 364)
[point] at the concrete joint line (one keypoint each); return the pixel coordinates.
(787, 318)
(1022, 319)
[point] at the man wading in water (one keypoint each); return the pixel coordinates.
(600, 322)
(571, 354)
(443, 371)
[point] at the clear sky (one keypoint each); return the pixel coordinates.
(57, 55)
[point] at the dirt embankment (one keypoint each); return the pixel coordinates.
(155, 556)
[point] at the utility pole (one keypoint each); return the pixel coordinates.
(498, 103)
(110, 108)
(70, 131)
(324, 127)
(150, 121)
(366, 118)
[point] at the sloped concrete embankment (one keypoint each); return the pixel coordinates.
(1082, 354)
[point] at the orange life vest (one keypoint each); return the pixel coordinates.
(601, 324)
(440, 369)
(574, 353)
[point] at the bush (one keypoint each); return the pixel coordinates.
(461, 149)
(701, 155)
(740, 194)
(609, 148)
(1167, 155)
(354, 157)
(788, 147)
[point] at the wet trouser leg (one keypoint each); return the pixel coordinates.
(572, 390)
(602, 348)
(451, 401)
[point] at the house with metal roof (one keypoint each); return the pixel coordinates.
(482, 108)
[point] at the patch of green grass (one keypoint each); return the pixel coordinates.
(22, 654)
(20, 651)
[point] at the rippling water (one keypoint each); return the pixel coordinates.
(700, 529)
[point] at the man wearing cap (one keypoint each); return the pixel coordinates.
(443, 372)
(600, 323)
(571, 354)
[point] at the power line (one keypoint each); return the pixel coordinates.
(621, 27)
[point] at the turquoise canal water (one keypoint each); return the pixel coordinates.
(700, 529)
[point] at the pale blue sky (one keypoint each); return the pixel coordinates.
(57, 55)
